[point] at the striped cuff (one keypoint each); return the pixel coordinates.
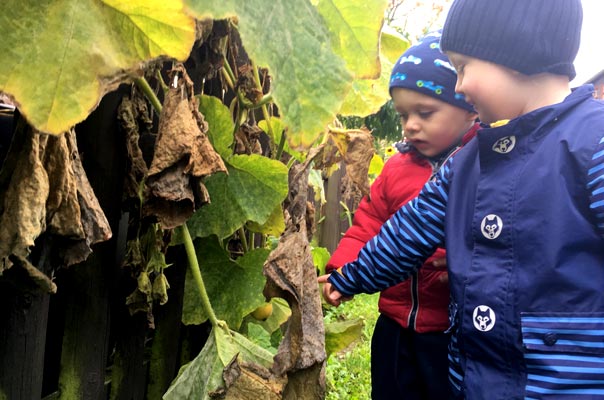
(341, 283)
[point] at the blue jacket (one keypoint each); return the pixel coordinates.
(522, 208)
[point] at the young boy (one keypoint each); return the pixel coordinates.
(409, 346)
(521, 208)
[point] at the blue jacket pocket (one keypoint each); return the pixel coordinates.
(564, 354)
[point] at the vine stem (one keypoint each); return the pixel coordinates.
(146, 88)
(195, 271)
(188, 241)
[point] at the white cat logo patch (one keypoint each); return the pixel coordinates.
(491, 226)
(484, 318)
(505, 144)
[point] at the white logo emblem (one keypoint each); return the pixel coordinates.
(491, 226)
(505, 144)
(484, 318)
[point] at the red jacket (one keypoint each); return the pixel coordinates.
(421, 302)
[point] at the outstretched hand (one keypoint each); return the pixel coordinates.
(330, 294)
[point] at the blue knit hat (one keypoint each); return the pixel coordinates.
(529, 36)
(425, 69)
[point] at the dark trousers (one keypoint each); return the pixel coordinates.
(406, 365)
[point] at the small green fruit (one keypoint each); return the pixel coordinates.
(263, 312)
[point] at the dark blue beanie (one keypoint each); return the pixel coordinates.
(529, 36)
(425, 69)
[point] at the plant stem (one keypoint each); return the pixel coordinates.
(229, 72)
(146, 88)
(281, 146)
(243, 240)
(265, 111)
(195, 271)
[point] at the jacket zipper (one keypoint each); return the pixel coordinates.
(414, 301)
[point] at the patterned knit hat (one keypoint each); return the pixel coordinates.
(425, 69)
(529, 36)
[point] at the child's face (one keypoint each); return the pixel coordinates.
(430, 125)
(494, 90)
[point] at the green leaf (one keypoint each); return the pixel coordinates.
(369, 95)
(376, 165)
(278, 128)
(315, 180)
(261, 337)
(290, 38)
(320, 256)
(251, 191)
(234, 287)
(274, 225)
(341, 334)
(60, 57)
(203, 375)
(392, 47)
(220, 123)
(355, 31)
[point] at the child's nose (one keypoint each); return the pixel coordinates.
(411, 125)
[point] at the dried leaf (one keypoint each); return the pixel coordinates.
(183, 156)
(23, 216)
(91, 217)
(291, 275)
(49, 192)
(249, 381)
(133, 115)
(358, 157)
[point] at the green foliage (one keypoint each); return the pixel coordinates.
(368, 95)
(220, 124)
(203, 375)
(386, 123)
(340, 334)
(356, 46)
(60, 57)
(295, 54)
(251, 191)
(320, 256)
(234, 287)
(348, 373)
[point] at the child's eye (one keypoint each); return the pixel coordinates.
(403, 117)
(425, 114)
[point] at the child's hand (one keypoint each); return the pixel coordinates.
(331, 295)
(441, 263)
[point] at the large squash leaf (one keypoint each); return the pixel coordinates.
(59, 57)
(355, 30)
(368, 95)
(290, 38)
(204, 375)
(220, 124)
(341, 334)
(251, 191)
(393, 46)
(234, 287)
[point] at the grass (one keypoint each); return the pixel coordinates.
(348, 373)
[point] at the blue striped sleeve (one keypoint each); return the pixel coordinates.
(595, 186)
(408, 238)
